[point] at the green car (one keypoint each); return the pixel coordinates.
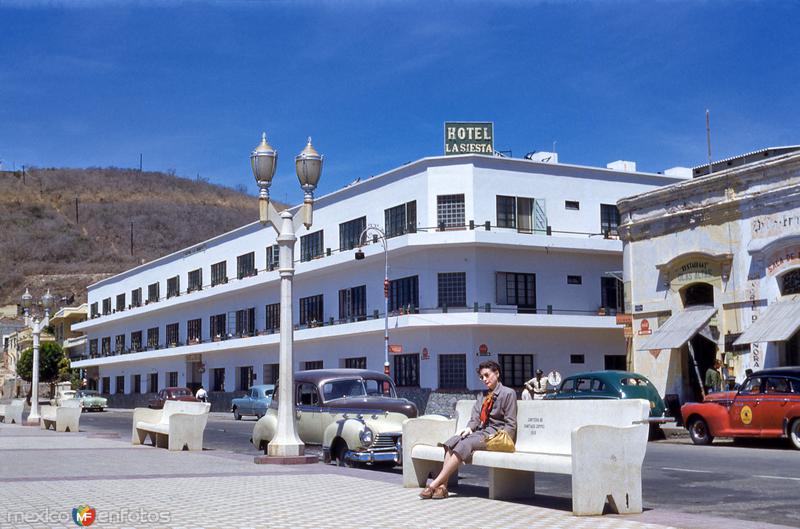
(610, 385)
(91, 400)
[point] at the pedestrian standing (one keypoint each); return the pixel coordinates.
(537, 386)
(713, 381)
(202, 394)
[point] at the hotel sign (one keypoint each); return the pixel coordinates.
(468, 138)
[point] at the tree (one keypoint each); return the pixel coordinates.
(50, 355)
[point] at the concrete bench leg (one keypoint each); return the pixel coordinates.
(416, 471)
(139, 436)
(623, 493)
(506, 484)
(162, 441)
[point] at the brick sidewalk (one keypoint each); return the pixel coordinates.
(47, 474)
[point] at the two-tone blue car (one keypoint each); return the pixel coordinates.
(256, 402)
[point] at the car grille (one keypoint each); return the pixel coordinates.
(385, 441)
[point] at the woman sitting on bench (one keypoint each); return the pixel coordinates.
(497, 411)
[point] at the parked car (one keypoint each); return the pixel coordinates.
(767, 404)
(184, 394)
(354, 414)
(91, 400)
(255, 402)
(61, 396)
(611, 385)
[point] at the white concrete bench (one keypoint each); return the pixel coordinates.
(177, 426)
(63, 418)
(601, 443)
(12, 413)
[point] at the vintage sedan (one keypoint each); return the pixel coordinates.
(611, 385)
(91, 400)
(255, 402)
(354, 414)
(767, 404)
(172, 393)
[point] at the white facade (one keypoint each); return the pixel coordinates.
(562, 322)
(729, 241)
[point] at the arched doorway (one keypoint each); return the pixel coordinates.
(698, 294)
(700, 350)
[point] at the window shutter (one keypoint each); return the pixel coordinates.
(539, 216)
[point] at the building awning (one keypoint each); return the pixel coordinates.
(678, 329)
(777, 324)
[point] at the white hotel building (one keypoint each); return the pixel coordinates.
(489, 257)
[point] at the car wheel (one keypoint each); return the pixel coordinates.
(794, 433)
(698, 431)
(339, 453)
(236, 414)
(264, 447)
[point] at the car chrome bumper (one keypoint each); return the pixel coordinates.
(374, 457)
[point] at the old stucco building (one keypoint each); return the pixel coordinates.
(712, 270)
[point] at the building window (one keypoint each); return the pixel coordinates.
(406, 370)
(358, 362)
(353, 304)
(152, 293)
(218, 376)
(172, 334)
(452, 371)
(136, 341)
(246, 322)
(576, 359)
(516, 289)
(271, 372)
(173, 286)
(217, 327)
(136, 297)
(105, 346)
(404, 292)
(194, 330)
(574, 280)
(572, 204)
(119, 343)
(515, 369)
(349, 233)
(312, 364)
(195, 280)
(172, 379)
(273, 257)
(790, 282)
(93, 348)
(106, 306)
(153, 384)
(246, 265)
(311, 246)
(273, 317)
(609, 219)
(152, 338)
(453, 289)
(450, 211)
(94, 310)
(311, 310)
(611, 294)
(219, 273)
(616, 362)
(506, 212)
(137, 384)
(245, 378)
(105, 386)
(120, 305)
(401, 219)
(120, 389)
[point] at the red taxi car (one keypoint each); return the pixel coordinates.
(766, 405)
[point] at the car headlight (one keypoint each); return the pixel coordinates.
(652, 405)
(366, 436)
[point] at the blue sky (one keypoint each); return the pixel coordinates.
(191, 85)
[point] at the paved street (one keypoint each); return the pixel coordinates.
(756, 481)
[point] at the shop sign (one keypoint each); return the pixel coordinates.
(483, 350)
(644, 328)
(425, 354)
(694, 271)
(396, 349)
(468, 138)
(655, 352)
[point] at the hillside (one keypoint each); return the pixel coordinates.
(48, 240)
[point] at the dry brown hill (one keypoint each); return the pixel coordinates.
(63, 229)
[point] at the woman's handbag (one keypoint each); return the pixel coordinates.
(500, 442)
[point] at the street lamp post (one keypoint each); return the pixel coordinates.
(286, 445)
(37, 326)
(378, 233)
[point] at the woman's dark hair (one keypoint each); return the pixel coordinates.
(489, 364)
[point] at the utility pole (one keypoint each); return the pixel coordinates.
(77, 219)
(708, 138)
(23, 174)
(140, 162)
(131, 238)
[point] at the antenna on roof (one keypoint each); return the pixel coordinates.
(708, 138)
(554, 145)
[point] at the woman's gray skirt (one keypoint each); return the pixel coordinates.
(464, 447)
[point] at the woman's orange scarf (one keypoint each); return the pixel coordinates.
(486, 407)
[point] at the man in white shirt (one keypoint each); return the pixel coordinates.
(537, 386)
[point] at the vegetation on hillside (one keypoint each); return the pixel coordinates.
(63, 229)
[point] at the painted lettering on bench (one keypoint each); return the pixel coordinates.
(532, 425)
